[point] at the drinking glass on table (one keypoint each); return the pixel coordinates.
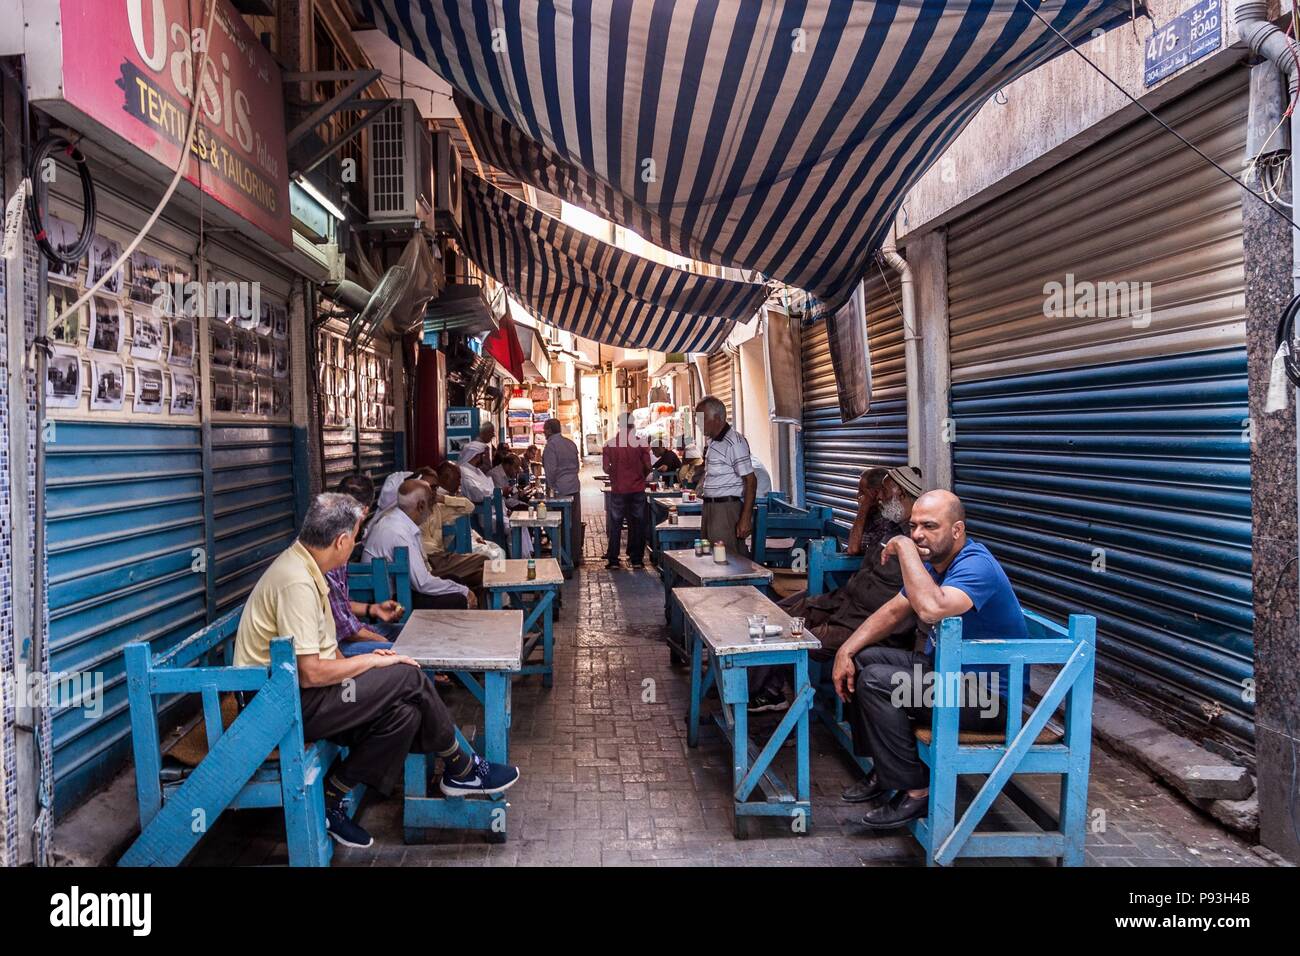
(757, 628)
(796, 626)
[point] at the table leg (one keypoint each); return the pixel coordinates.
(496, 600)
(697, 691)
(547, 635)
(496, 721)
(803, 786)
(516, 541)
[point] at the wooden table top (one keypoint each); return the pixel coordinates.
(721, 615)
(475, 640)
(701, 570)
(510, 572)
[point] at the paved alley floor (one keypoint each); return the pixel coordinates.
(608, 780)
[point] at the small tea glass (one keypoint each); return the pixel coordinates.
(757, 628)
(796, 626)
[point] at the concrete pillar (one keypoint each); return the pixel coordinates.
(1267, 250)
(928, 256)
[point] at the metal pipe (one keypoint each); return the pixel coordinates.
(911, 347)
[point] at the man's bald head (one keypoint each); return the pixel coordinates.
(945, 501)
(938, 523)
(449, 477)
(415, 497)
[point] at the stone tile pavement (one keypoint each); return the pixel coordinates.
(609, 781)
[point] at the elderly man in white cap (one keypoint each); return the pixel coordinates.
(477, 485)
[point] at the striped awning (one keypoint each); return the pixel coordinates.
(774, 135)
(577, 283)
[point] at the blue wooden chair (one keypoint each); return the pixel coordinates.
(776, 518)
(1028, 745)
(830, 568)
(256, 759)
(378, 581)
(456, 536)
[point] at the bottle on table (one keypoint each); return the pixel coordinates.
(532, 569)
(719, 553)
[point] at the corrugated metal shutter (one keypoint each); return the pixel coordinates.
(252, 504)
(125, 517)
(834, 454)
(720, 381)
(1140, 462)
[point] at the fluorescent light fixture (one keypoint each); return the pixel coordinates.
(305, 185)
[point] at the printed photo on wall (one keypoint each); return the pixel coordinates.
(280, 321)
(223, 347)
(149, 389)
(264, 317)
(63, 378)
(107, 386)
(63, 235)
(103, 253)
(280, 360)
(146, 336)
(183, 396)
(105, 324)
(146, 273)
(56, 303)
(245, 398)
(265, 399)
(223, 395)
(182, 348)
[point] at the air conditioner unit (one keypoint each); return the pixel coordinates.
(446, 177)
(401, 167)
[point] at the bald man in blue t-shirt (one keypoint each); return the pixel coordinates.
(945, 574)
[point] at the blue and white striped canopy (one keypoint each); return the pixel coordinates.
(582, 285)
(774, 135)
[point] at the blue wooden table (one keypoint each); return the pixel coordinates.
(464, 643)
(519, 520)
(718, 619)
(682, 569)
(565, 508)
(658, 504)
(675, 537)
(507, 579)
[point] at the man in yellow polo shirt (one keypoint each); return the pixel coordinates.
(378, 705)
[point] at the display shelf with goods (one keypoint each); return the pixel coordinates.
(519, 420)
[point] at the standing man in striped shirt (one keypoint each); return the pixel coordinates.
(729, 482)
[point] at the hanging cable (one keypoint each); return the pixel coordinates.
(60, 254)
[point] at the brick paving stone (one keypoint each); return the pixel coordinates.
(608, 779)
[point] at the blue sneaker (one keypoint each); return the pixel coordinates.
(483, 777)
(343, 829)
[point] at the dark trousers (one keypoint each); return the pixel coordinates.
(629, 507)
(883, 730)
(380, 716)
(718, 520)
(771, 678)
(439, 602)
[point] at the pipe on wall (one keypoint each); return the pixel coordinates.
(911, 347)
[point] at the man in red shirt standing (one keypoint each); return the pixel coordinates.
(626, 458)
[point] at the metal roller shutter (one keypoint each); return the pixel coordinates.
(720, 381)
(1103, 458)
(835, 453)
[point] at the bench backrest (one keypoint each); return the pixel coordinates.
(489, 517)
(456, 536)
(380, 580)
(774, 517)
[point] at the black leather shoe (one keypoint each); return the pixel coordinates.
(897, 812)
(864, 790)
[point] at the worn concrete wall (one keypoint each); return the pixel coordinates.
(928, 256)
(1052, 113)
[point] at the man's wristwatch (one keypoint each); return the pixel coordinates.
(369, 612)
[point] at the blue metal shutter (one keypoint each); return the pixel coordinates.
(252, 502)
(1082, 438)
(834, 453)
(124, 519)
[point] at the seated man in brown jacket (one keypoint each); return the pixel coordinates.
(885, 498)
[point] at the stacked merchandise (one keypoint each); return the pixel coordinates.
(519, 420)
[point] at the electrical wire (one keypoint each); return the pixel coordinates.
(60, 255)
(197, 93)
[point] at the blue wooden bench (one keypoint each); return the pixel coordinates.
(489, 518)
(1026, 747)
(456, 537)
(258, 760)
(777, 519)
(378, 581)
